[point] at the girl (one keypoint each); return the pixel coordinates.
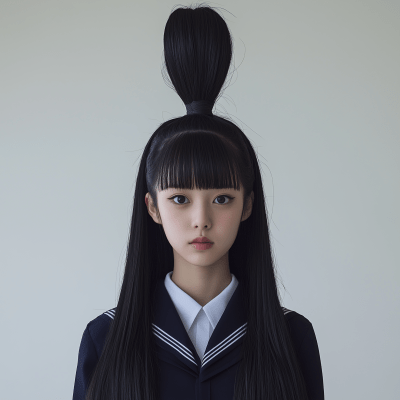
(199, 315)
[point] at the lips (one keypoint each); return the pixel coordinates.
(201, 239)
(202, 246)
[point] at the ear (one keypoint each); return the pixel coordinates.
(249, 207)
(151, 208)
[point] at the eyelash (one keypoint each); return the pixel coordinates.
(181, 195)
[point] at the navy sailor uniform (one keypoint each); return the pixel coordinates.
(199, 348)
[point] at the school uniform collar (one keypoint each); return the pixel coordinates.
(173, 342)
(188, 308)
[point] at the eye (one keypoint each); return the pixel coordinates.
(218, 197)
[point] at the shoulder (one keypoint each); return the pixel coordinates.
(306, 347)
(299, 326)
(98, 328)
(102, 319)
(90, 349)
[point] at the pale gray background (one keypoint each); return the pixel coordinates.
(317, 92)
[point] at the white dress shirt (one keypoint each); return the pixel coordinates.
(199, 321)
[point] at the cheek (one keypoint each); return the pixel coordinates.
(173, 227)
(226, 226)
(229, 220)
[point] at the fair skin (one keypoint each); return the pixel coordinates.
(202, 274)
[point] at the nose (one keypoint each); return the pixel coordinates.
(201, 218)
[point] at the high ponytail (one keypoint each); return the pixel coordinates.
(197, 52)
(204, 151)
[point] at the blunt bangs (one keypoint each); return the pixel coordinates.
(199, 160)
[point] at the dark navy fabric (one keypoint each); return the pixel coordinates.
(183, 375)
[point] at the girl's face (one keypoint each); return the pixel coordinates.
(187, 214)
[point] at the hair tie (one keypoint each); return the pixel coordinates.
(199, 107)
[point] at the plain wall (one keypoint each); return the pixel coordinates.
(316, 89)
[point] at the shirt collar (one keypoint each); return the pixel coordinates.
(188, 308)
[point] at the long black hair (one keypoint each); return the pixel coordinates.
(201, 151)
